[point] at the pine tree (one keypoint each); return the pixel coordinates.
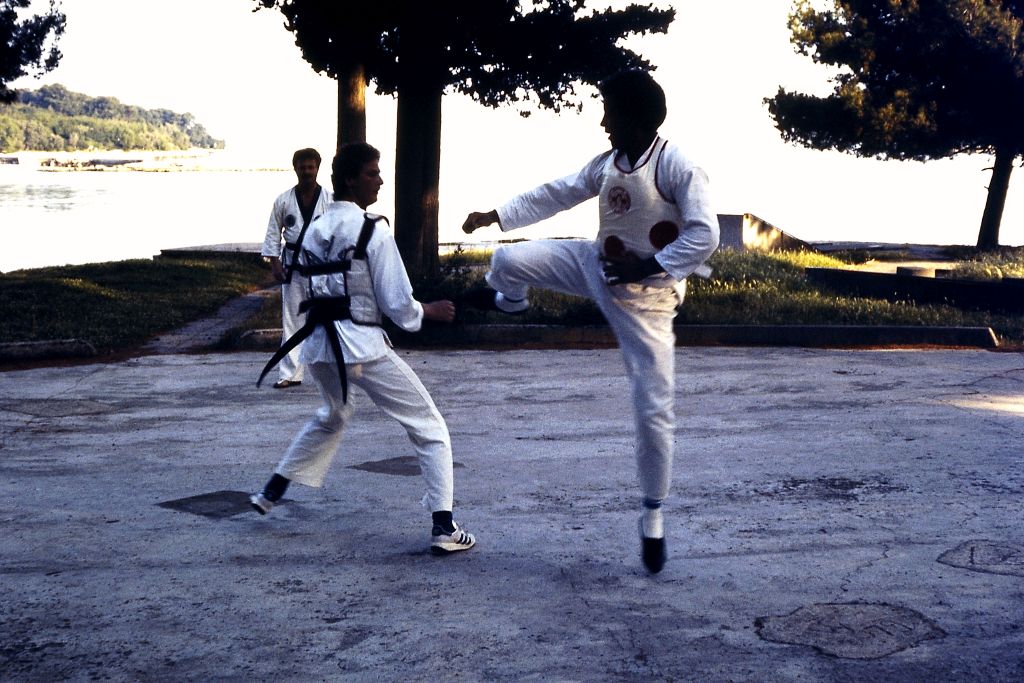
(918, 80)
(28, 45)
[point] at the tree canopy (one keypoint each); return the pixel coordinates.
(28, 45)
(918, 79)
(494, 51)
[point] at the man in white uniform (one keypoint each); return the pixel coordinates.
(656, 228)
(293, 211)
(357, 276)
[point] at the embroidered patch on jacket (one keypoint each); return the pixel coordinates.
(619, 200)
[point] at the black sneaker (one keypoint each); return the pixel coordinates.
(260, 503)
(652, 551)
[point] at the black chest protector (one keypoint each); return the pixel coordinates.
(357, 304)
(290, 261)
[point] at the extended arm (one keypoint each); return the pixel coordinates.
(544, 201)
(394, 291)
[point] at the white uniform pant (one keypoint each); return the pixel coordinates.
(394, 388)
(292, 294)
(640, 317)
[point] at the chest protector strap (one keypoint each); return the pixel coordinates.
(325, 311)
(295, 247)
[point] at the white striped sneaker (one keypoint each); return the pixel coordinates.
(442, 543)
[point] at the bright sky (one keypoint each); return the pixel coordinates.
(240, 74)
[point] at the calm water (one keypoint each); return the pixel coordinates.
(57, 218)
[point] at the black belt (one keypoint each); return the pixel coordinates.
(320, 312)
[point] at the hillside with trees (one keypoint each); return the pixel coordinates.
(54, 119)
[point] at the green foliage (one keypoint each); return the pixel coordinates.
(495, 51)
(916, 80)
(752, 288)
(1006, 262)
(54, 119)
(28, 44)
(118, 305)
(770, 288)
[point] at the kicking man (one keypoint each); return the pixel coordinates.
(656, 227)
(356, 276)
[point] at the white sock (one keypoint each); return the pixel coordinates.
(510, 305)
(653, 523)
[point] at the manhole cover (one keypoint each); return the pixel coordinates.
(986, 556)
(218, 505)
(56, 407)
(403, 466)
(850, 630)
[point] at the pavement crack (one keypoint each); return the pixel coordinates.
(845, 584)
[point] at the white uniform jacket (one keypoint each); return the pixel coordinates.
(285, 223)
(678, 180)
(327, 239)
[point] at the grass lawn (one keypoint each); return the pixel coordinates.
(116, 306)
(121, 304)
(759, 288)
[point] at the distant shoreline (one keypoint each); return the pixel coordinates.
(119, 161)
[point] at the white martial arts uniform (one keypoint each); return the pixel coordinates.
(283, 229)
(658, 206)
(370, 361)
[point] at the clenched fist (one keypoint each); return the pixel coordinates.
(477, 220)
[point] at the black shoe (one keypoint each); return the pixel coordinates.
(260, 503)
(484, 299)
(652, 552)
(480, 298)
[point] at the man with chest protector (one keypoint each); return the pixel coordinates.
(356, 278)
(656, 227)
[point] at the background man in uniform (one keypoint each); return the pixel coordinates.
(293, 211)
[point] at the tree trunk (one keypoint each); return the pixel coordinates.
(352, 105)
(417, 178)
(418, 139)
(988, 234)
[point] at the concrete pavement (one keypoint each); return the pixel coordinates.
(836, 516)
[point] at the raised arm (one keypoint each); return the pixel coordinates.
(543, 201)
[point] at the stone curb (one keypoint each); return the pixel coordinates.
(553, 336)
(810, 336)
(44, 350)
(259, 340)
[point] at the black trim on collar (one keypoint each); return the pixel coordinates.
(643, 160)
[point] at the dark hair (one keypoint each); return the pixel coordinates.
(304, 154)
(638, 92)
(349, 162)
